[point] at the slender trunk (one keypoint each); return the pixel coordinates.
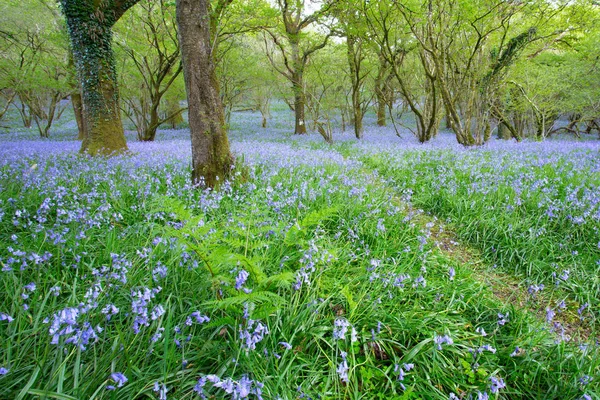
(78, 111)
(90, 31)
(380, 90)
(381, 106)
(299, 103)
(149, 133)
(354, 62)
(7, 105)
(211, 159)
(172, 109)
(25, 113)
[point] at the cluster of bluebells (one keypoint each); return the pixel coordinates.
(67, 323)
(141, 307)
(119, 379)
(196, 317)
(440, 340)
(253, 333)
(401, 370)
(309, 260)
(238, 389)
(342, 368)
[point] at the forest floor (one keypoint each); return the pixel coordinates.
(374, 269)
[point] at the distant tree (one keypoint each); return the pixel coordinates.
(153, 64)
(354, 29)
(295, 47)
(211, 158)
(34, 64)
(90, 24)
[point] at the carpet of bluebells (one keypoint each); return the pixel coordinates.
(306, 276)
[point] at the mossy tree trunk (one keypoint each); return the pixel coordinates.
(90, 23)
(211, 159)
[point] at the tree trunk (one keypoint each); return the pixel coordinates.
(90, 30)
(172, 109)
(354, 62)
(299, 103)
(381, 106)
(211, 159)
(149, 133)
(78, 111)
(25, 113)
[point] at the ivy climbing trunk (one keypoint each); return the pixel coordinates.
(90, 23)
(211, 159)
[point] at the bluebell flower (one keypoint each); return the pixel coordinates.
(342, 368)
(241, 279)
(197, 317)
(286, 345)
(502, 319)
(6, 317)
(119, 378)
(340, 327)
(496, 384)
(254, 333)
(439, 340)
(30, 286)
(161, 389)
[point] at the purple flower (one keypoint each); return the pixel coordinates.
(4, 371)
(30, 287)
(159, 272)
(516, 352)
(502, 319)
(451, 274)
(254, 333)
(286, 345)
(157, 312)
(161, 390)
(439, 340)
(549, 314)
(342, 368)
(197, 317)
(482, 396)
(241, 389)
(486, 347)
(496, 384)
(119, 378)
(580, 311)
(109, 310)
(6, 317)
(241, 278)
(340, 327)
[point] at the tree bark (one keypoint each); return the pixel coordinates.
(211, 159)
(175, 113)
(381, 89)
(299, 103)
(89, 23)
(78, 111)
(354, 62)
